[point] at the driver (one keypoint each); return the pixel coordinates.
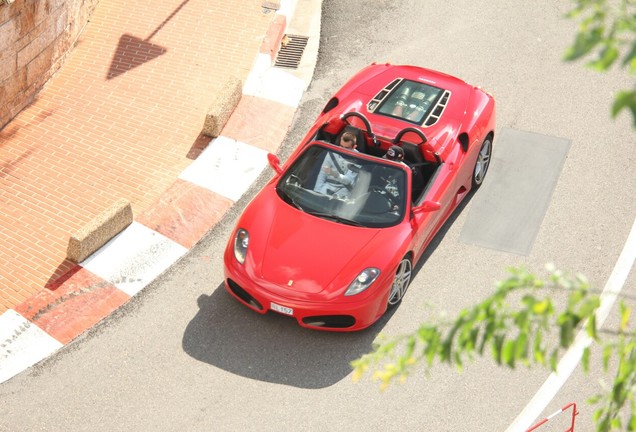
(336, 178)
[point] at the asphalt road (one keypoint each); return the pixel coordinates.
(183, 355)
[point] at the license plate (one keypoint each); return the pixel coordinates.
(282, 309)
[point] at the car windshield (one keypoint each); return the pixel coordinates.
(410, 101)
(335, 184)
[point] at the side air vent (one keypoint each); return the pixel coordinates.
(438, 109)
(377, 99)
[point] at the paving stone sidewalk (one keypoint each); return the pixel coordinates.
(123, 119)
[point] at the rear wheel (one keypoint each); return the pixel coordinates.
(483, 161)
(400, 282)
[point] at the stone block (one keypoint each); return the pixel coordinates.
(274, 37)
(222, 107)
(271, 4)
(99, 231)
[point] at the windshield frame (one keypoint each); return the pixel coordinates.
(379, 196)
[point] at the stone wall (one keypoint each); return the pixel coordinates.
(35, 36)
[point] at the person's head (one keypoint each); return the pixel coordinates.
(348, 140)
(395, 153)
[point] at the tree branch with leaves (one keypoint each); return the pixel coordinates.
(606, 34)
(518, 325)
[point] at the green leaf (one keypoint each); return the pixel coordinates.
(625, 99)
(606, 58)
(497, 348)
(630, 59)
(625, 314)
(586, 359)
(584, 43)
(458, 361)
(607, 352)
(567, 333)
(508, 356)
(591, 327)
(539, 308)
(553, 360)
(521, 346)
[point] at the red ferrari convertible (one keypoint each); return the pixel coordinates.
(332, 239)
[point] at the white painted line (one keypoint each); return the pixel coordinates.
(287, 8)
(227, 167)
(280, 86)
(134, 258)
(22, 344)
(274, 84)
(254, 80)
(573, 356)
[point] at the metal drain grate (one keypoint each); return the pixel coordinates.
(292, 48)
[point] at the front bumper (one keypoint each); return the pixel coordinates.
(351, 315)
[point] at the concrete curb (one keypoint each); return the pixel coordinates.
(198, 199)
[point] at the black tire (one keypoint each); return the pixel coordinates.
(482, 163)
(401, 282)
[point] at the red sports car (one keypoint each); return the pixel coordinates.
(332, 239)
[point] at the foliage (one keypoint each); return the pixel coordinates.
(606, 31)
(521, 323)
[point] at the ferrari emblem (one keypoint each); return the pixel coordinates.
(290, 283)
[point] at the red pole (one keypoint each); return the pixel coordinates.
(548, 418)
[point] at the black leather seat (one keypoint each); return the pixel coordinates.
(421, 168)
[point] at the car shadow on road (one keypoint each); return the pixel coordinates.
(435, 242)
(272, 347)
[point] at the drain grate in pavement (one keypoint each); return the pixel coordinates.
(291, 51)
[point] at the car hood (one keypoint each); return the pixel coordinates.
(304, 253)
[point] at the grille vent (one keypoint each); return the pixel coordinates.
(375, 102)
(291, 51)
(437, 111)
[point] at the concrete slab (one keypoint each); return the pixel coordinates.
(72, 304)
(134, 258)
(22, 344)
(274, 84)
(507, 212)
(227, 167)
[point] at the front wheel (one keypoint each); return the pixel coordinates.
(400, 282)
(482, 163)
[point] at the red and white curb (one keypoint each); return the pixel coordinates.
(135, 257)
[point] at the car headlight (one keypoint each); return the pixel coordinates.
(363, 281)
(241, 241)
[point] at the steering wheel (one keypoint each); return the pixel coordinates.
(293, 180)
(377, 201)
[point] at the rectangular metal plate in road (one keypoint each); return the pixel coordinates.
(508, 210)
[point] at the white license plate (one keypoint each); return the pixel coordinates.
(281, 309)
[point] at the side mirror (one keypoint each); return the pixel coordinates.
(427, 207)
(274, 162)
(463, 141)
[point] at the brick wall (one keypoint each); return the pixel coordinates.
(35, 36)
